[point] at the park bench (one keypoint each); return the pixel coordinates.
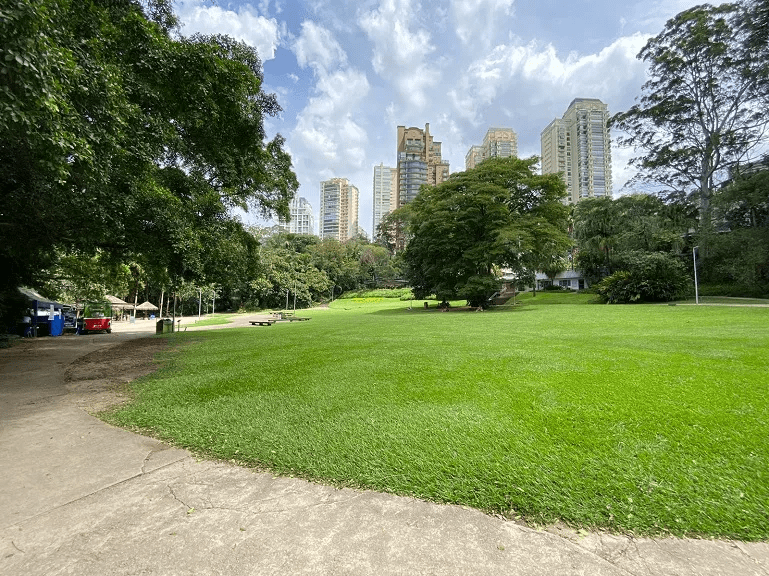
(262, 322)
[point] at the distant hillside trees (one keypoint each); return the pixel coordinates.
(314, 270)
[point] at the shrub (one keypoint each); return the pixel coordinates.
(400, 293)
(646, 277)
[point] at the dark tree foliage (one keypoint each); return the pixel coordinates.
(738, 258)
(703, 108)
(500, 214)
(117, 139)
(645, 277)
(605, 229)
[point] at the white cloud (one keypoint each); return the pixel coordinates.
(328, 139)
(257, 31)
(317, 47)
(477, 21)
(326, 127)
(541, 73)
(400, 51)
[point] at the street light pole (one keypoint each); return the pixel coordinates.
(696, 289)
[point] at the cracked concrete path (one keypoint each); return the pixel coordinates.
(80, 497)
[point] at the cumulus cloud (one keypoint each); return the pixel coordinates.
(540, 72)
(401, 50)
(244, 25)
(328, 139)
(477, 21)
(317, 47)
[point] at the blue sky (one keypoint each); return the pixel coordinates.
(347, 73)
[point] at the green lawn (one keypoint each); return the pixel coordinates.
(643, 419)
(214, 320)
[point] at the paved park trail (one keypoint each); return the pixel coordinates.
(78, 496)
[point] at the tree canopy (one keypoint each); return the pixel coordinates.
(607, 229)
(499, 214)
(118, 139)
(703, 108)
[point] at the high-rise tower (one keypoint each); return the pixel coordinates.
(419, 162)
(498, 143)
(579, 146)
(384, 194)
(338, 209)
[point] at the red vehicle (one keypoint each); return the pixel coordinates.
(97, 317)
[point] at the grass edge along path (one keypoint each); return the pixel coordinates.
(648, 420)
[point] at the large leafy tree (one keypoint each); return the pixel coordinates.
(500, 214)
(117, 138)
(703, 108)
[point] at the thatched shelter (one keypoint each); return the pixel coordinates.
(146, 307)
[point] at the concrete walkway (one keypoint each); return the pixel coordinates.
(78, 496)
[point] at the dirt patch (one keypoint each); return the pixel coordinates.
(99, 380)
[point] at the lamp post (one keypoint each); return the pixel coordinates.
(696, 289)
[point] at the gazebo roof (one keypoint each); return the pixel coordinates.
(117, 302)
(146, 306)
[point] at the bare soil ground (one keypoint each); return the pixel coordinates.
(99, 380)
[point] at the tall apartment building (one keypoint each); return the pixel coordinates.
(498, 143)
(302, 220)
(473, 157)
(384, 194)
(579, 146)
(338, 209)
(419, 162)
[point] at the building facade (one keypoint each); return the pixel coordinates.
(473, 157)
(498, 143)
(338, 209)
(384, 194)
(579, 146)
(302, 220)
(419, 162)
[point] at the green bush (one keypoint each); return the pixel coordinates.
(646, 277)
(735, 290)
(400, 293)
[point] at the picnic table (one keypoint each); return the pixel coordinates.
(288, 316)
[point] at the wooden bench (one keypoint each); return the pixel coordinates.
(262, 322)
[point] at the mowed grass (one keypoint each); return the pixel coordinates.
(214, 320)
(642, 419)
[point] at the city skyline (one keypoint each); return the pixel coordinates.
(348, 73)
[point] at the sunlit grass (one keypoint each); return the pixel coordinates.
(643, 419)
(214, 320)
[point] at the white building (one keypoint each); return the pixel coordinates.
(384, 194)
(302, 220)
